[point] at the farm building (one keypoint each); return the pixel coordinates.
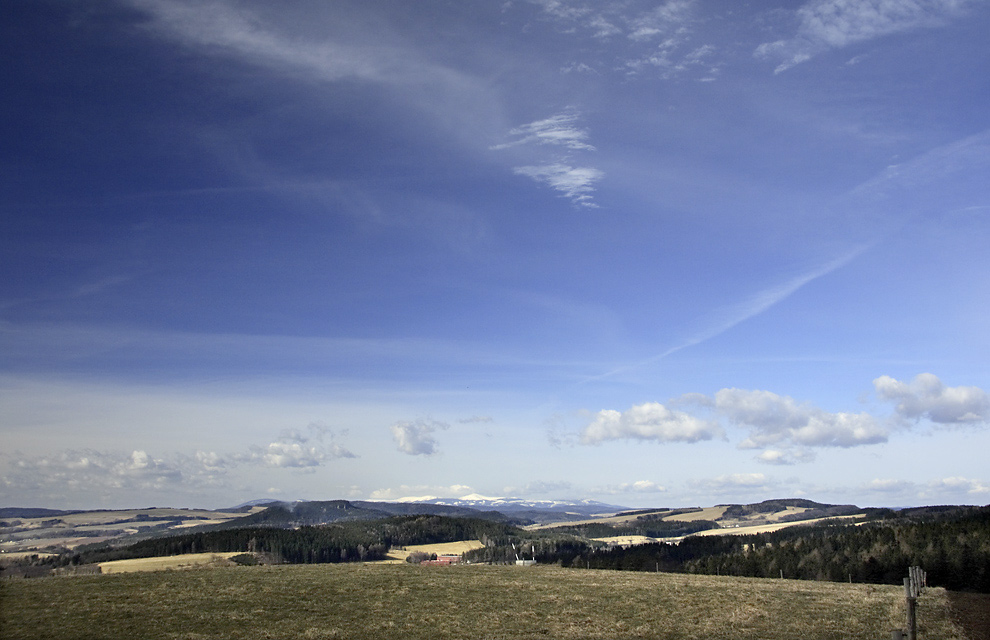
(444, 559)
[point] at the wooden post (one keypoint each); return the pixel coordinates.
(911, 592)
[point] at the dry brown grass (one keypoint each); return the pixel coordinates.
(384, 602)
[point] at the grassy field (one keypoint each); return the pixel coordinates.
(478, 602)
(185, 561)
(709, 513)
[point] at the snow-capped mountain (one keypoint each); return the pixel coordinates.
(512, 505)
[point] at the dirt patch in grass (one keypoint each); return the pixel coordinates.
(971, 611)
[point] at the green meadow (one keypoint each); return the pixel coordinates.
(377, 601)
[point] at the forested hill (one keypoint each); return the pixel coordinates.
(951, 544)
(353, 540)
(810, 509)
(311, 513)
(286, 514)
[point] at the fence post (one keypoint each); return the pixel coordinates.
(913, 584)
(912, 619)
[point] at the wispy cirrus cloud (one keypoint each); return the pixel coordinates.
(607, 20)
(235, 30)
(561, 130)
(575, 183)
(671, 60)
(833, 24)
(731, 315)
(643, 37)
(325, 43)
(563, 133)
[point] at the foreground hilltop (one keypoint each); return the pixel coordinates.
(380, 601)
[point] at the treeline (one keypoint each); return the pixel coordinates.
(952, 546)
(349, 541)
(953, 549)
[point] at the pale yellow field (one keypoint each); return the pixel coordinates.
(187, 561)
(789, 511)
(708, 513)
(766, 528)
(197, 523)
(400, 555)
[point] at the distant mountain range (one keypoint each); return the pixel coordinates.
(584, 508)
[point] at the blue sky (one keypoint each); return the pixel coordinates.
(665, 253)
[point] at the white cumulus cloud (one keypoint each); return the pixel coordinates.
(959, 484)
(927, 397)
(297, 450)
(91, 472)
(774, 419)
(649, 421)
(416, 438)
